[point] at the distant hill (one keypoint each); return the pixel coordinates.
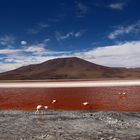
(69, 68)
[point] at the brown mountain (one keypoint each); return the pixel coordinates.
(68, 68)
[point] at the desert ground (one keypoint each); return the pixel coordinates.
(69, 125)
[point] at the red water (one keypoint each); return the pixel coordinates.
(98, 98)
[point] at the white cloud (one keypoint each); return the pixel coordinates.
(7, 40)
(122, 30)
(9, 66)
(23, 42)
(47, 40)
(35, 48)
(117, 6)
(120, 55)
(78, 34)
(82, 9)
(9, 51)
(59, 36)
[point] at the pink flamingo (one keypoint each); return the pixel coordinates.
(53, 101)
(85, 103)
(122, 95)
(39, 108)
(46, 108)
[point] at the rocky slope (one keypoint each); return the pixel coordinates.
(69, 68)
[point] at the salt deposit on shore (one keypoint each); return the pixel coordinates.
(69, 125)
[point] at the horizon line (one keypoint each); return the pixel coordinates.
(69, 84)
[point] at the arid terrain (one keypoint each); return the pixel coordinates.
(69, 68)
(69, 125)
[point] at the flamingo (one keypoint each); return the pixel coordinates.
(39, 107)
(119, 93)
(85, 103)
(45, 107)
(53, 101)
(122, 95)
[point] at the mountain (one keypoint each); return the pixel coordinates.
(69, 68)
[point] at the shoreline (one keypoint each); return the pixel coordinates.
(63, 125)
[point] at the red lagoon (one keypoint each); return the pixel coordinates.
(72, 98)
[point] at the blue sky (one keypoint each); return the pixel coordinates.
(106, 32)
